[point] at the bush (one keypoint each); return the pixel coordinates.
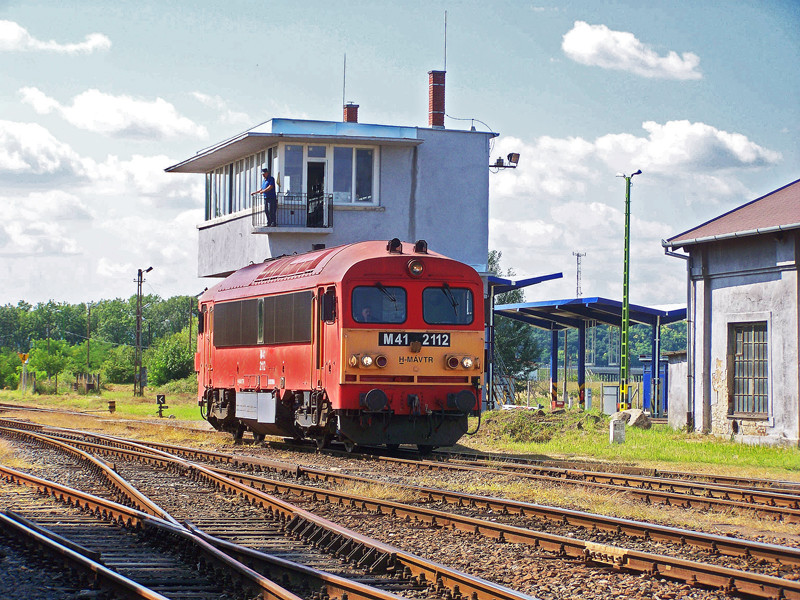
(170, 359)
(187, 385)
(118, 366)
(10, 366)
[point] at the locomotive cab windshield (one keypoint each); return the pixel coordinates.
(447, 306)
(379, 304)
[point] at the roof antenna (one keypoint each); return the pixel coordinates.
(344, 77)
(445, 42)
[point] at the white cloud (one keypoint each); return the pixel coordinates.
(143, 179)
(117, 116)
(14, 37)
(24, 238)
(52, 206)
(29, 148)
(112, 269)
(564, 198)
(226, 115)
(680, 146)
(599, 46)
(35, 157)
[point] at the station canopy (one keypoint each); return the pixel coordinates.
(577, 312)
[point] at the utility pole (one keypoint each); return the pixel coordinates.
(190, 324)
(578, 256)
(138, 388)
(624, 396)
(88, 323)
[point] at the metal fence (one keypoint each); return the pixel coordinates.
(297, 210)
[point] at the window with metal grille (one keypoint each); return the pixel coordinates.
(749, 391)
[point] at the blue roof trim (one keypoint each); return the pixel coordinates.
(569, 312)
(501, 285)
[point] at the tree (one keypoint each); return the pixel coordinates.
(10, 365)
(116, 320)
(118, 365)
(171, 358)
(49, 357)
(515, 342)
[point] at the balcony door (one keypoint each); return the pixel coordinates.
(315, 181)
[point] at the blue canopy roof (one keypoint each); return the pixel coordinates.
(569, 313)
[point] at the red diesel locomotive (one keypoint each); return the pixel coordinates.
(368, 343)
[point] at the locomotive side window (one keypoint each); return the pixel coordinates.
(248, 334)
(228, 324)
(287, 318)
(328, 313)
(260, 326)
(447, 306)
(201, 321)
(379, 304)
(283, 319)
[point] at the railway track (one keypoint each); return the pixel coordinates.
(755, 584)
(780, 505)
(387, 566)
(790, 487)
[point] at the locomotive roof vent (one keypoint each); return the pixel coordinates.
(395, 246)
(421, 247)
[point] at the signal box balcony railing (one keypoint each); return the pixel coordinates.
(297, 210)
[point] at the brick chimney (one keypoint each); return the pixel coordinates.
(436, 99)
(351, 113)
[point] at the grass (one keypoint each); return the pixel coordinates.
(182, 404)
(584, 435)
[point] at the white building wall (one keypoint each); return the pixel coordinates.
(437, 191)
(747, 280)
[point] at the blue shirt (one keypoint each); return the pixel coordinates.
(269, 181)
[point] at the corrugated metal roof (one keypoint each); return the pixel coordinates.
(778, 210)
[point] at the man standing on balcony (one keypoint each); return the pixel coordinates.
(270, 197)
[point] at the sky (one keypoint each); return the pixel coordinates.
(98, 98)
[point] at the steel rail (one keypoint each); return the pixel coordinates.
(654, 496)
(716, 543)
(132, 517)
(121, 585)
(127, 490)
(786, 486)
(788, 515)
(355, 547)
(780, 506)
(694, 573)
(334, 585)
(750, 495)
(339, 540)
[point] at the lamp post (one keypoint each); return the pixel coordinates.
(624, 396)
(138, 388)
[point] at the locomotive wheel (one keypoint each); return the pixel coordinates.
(259, 437)
(322, 441)
(424, 448)
(349, 445)
(238, 434)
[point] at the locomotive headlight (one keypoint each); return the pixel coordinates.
(381, 361)
(466, 362)
(415, 268)
(366, 361)
(452, 362)
(353, 362)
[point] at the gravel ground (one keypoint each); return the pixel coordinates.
(517, 566)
